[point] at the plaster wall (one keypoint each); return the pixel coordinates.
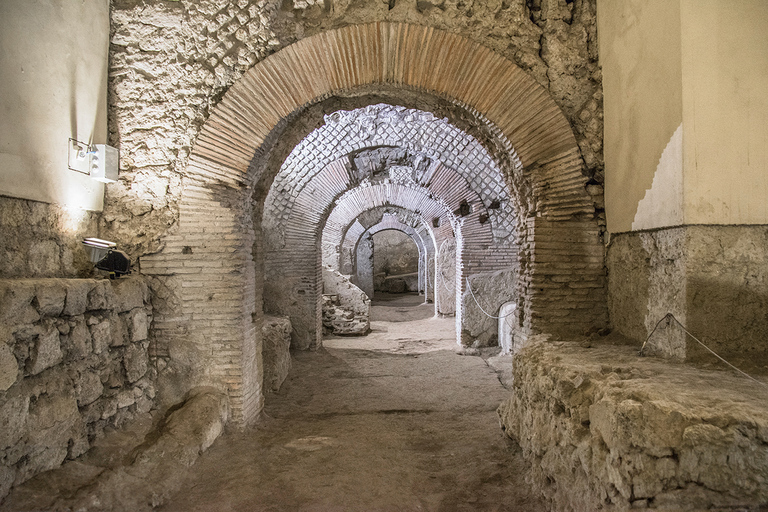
(54, 86)
(640, 52)
(725, 111)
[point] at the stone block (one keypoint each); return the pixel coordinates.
(143, 405)
(16, 302)
(51, 415)
(135, 362)
(50, 297)
(101, 336)
(125, 398)
(13, 419)
(119, 330)
(101, 296)
(138, 325)
(276, 342)
(77, 296)
(46, 351)
(130, 293)
(9, 367)
(77, 343)
(88, 388)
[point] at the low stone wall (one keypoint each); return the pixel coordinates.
(397, 284)
(713, 279)
(134, 470)
(73, 361)
(276, 353)
(607, 430)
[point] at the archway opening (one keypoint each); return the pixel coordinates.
(395, 262)
(214, 308)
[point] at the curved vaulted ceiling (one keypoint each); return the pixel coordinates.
(378, 137)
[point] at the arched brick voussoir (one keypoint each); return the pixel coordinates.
(399, 54)
(364, 198)
(424, 143)
(386, 216)
(351, 237)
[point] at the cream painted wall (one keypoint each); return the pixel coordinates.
(725, 111)
(640, 53)
(53, 85)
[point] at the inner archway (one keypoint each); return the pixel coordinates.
(219, 304)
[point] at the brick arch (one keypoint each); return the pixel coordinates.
(348, 133)
(292, 259)
(390, 218)
(206, 268)
(364, 198)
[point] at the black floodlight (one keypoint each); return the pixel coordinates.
(106, 257)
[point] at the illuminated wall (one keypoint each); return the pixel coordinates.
(686, 114)
(53, 78)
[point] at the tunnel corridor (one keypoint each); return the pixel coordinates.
(395, 421)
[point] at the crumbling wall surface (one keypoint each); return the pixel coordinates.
(395, 254)
(133, 470)
(607, 430)
(171, 62)
(363, 277)
(43, 240)
(713, 279)
(488, 292)
(346, 308)
(350, 296)
(276, 344)
(73, 361)
(445, 287)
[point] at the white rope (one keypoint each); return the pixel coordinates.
(671, 316)
(469, 287)
(442, 280)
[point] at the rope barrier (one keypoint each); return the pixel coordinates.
(442, 280)
(669, 316)
(469, 287)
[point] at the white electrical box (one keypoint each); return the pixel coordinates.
(104, 162)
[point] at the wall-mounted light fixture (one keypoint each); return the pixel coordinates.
(97, 160)
(104, 161)
(106, 257)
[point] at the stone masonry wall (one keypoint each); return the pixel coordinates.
(73, 361)
(43, 240)
(276, 343)
(605, 429)
(681, 271)
(489, 292)
(394, 254)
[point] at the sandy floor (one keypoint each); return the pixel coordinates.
(394, 421)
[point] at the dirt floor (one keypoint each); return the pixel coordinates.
(394, 421)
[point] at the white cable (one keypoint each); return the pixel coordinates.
(442, 280)
(670, 315)
(469, 287)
